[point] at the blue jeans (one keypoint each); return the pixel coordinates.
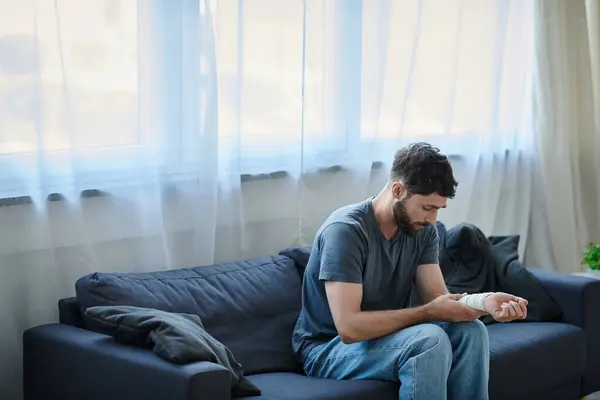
(432, 361)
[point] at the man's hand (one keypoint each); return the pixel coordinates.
(447, 308)
(504, 307)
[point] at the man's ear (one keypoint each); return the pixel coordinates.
(398, 190)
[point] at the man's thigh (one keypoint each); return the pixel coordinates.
(373, 359)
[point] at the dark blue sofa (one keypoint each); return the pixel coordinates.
(251, 307)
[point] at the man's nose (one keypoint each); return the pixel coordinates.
(431, 220)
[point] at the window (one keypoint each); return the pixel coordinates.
(324, 80)
(446, 71)
(106, 88)
(279, 83)
(69, 92)
(84, 59)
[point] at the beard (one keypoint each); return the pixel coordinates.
(404, 221)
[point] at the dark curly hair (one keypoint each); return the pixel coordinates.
(424, 170)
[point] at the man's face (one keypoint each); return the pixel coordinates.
(416, 211)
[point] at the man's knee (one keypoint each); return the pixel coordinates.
(474, 329)
(472, 333)
(431, 339)
(433, 336)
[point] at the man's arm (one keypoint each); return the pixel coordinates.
(503, 307)
(342, 254)
(354, 325)
(429, 282)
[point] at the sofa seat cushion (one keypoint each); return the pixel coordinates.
(250, 306)
(283, 386)
(527, 357)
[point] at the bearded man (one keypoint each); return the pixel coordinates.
(356, 322)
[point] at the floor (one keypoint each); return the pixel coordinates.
(595, 396)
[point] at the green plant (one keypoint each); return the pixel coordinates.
(591, 256)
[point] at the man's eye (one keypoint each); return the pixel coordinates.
(427, 208)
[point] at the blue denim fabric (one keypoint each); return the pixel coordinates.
(432, 361)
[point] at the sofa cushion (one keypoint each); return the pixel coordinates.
(300, 255)
(526, 355)
(250, 306)
(283, 386)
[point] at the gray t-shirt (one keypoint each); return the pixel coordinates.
(350, 247)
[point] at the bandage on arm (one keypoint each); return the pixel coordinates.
(474, 300)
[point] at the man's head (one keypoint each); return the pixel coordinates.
(421, 181)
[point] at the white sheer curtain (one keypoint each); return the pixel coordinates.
(347, 82)
(457, 74)
(567, 194)
(153, 134)
(108, 150)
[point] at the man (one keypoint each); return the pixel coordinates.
(355, 322)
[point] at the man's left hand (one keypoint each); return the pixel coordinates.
(504, 307)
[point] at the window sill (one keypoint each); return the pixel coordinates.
(244, 178)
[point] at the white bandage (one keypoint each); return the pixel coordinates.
(474, 300)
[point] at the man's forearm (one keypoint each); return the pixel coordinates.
(475, 300)
(367, 325)
(428, 297)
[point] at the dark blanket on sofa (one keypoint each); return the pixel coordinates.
(176, 337)
(474, 263)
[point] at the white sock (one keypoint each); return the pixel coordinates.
(474, 300)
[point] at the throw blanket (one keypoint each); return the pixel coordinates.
(176, 337)
(474, 263)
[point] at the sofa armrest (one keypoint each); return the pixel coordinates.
(577, 296)
(64, 362)
(579, 299)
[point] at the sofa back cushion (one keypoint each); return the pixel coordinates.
(250, 306)
(300, 255)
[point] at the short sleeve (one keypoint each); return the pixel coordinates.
(431, 247)
(341, 254)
